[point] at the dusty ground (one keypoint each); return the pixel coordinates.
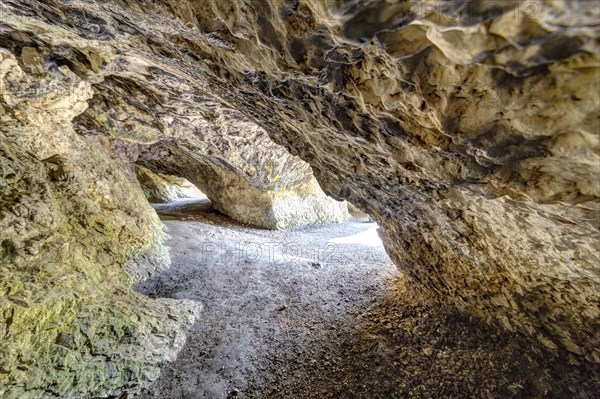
(321, 312)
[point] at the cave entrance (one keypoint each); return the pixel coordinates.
(160, 188)
(171, 196)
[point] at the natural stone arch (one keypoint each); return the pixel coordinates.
(230, 158)
(446, 145)
(160, 188)
(476, 147)
(272, 194)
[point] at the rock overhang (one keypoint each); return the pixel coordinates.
(469, 130)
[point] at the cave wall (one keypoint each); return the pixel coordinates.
(469, 130)
(76, 233)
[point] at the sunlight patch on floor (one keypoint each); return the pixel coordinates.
(368, 237)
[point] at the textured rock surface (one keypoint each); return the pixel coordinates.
(242, 171)
(470, 130)
(160, 188)
(76, 231)
(180, 131)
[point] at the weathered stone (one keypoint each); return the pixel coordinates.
(160, 188)
(73, 227)
(469, 130)
(244, 173)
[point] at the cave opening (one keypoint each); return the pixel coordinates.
(160, 188)
(468, 130)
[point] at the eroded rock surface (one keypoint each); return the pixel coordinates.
(246, 175)
(470, 130)
(76, 232)
(164, 123)
(159, 188)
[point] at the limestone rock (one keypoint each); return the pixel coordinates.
(244, 173)
(74, 227)
(160, 188)
(231, 159)
(469, 130)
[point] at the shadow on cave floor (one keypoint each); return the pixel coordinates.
(196, 209)
(321, 312)
(185, 209)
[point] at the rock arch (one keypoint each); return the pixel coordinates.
(470, 132)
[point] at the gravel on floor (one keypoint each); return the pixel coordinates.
(321, 312)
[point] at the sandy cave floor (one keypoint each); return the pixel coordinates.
(321, 312)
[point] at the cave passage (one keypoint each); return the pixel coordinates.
(191, 191)
(322, 312)
(467, 130)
